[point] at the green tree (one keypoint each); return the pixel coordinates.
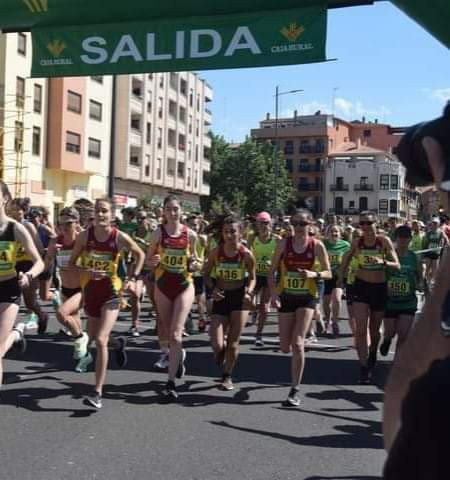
(243, 178)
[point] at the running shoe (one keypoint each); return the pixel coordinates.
(94, 400)
(259, 342)
(252, 320)
(83, 364)
(170, 391)
(190, 328)
(227, 382)
(134, 332)
(80, 345)
(42, 323)
(335, 329)
(65, 331)
(320, 327)
(21, 343)
(372, 359)
(364, 376)
(311, 338)
(56, 300)
(163, 361)
(121, 352)
(293, 399)
(32, 323)
(385, 345)
(181, 366)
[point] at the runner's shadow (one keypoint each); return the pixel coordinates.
(31, 398)
(366, 401)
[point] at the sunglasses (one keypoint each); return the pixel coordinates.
(69, 222)
(264, 223)
(141, 219)
(366, 223)
(300, 224)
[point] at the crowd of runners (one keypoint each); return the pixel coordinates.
(236, 270)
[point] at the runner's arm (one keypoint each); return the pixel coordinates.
(50, 255)
(80, 242)
(324, 260)
(125, 242)
(275, 263)
(24, 238)
(343, 270)
(391, 257)
(250, 264)
(207, 269)
(150, 259)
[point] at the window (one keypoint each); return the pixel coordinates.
(161, 80)
(303, 165)
(171, 137)
(94, 148)
(160, 137)
(289, 166)
(148, 133)
(191, 97)
(36, 149)
(73, 142)
(339, 205)
(183, 87)
(197, 128)
(172, 109)
(95, 110)
(189, 150)
(22, 44)
(363, 204)
(394, 182)
(147, 165)
(18, 136)
(188, 177)
(320, 145)
(206, 177)
(196, 179)
(37, 98)
(198, 102)
(150, 76)
(159, 169)
(196, 153)
(383, 207)
(363, 181)
(182, 115)
(339, 182)
(181, 142)
(190, 124)
(384, 182)
(180, 170)
(289, 147)
(173, 80)
(305, 147)
(393, 206)
(136, 122)
(136, 87)
(351, 204)
(367, 133)
(97, 78)
(73, 102)
(20, 91)
(171, 167)
(160, 107)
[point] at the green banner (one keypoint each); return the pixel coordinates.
(201, 43)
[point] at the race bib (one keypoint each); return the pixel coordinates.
(399, 287)
(263, 267)
(230, 272)
(99, 262)
(63, 257)
(295, 285)
(174, 261)
(6, 256)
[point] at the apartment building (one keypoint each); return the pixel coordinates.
(162, 143)
(360, 178)
(307, 141)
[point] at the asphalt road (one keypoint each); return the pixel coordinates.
(47, 432)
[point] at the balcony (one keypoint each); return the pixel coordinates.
(363, 187)
(319, 149)
(309, 187)
(339, 187)
(306, 149)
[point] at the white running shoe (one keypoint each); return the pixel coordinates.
(163, 361)
(80, 346)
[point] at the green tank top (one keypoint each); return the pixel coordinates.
(416, 242)
(263, 253)
(336, 252)
(402, 284)
(433, 239)
(200, 253)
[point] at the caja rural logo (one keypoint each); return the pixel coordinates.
(292, 34)
(36, 6)
(56, 48)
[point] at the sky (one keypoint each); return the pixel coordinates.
(388, 67)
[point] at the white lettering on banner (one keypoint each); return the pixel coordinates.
(151, 53)
(195, 43)
(88, 46)
(96, 52)
(292, 48)
(126, 48)
(242, 33)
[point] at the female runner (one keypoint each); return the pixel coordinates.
(263, 247)
(297, 294)
(172, 255)
(332, 300)
(68, 314)
(231, 297)
(99, 247)
(402, 299)
(12, 235)
(374, 253)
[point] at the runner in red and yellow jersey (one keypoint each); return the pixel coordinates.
(297, 294)
(172, 255)
(99, 248)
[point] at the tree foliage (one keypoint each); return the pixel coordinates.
(242, 178)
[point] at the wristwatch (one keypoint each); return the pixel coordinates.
(319, 275)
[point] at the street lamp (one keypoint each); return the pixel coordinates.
(276, 166)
